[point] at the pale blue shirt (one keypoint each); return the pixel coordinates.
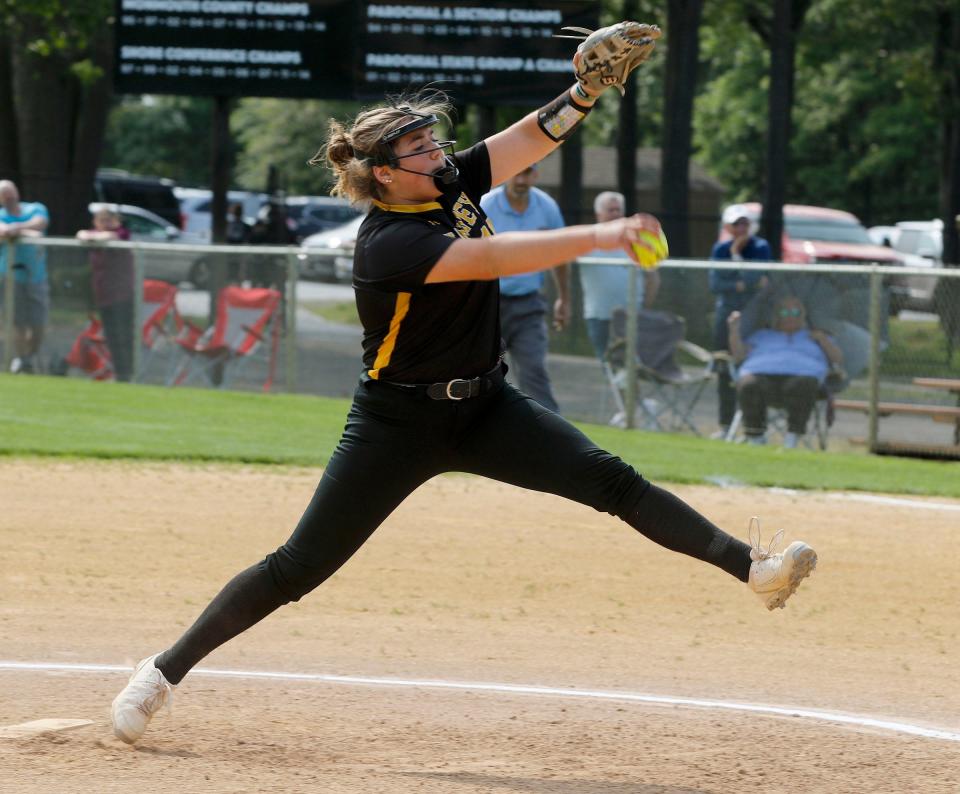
(542, 212)
(777, 353)
(32, 257)
(605, 286)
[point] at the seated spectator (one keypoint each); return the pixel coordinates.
(605, 286)
(784, 365)
(111, 271)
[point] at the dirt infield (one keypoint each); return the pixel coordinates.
(472, 581)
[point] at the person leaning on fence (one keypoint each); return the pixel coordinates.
(111, 274)
(605, 286)
(785, 365)
(432, 397)
(22, 220)
(734, 290)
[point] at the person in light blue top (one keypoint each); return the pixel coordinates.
(605, 286)
(21, 220)
(519, 206)
(783, 365)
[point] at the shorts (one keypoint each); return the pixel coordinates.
(31, 303)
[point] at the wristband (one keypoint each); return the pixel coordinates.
(560, 118)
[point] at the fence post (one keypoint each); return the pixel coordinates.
(873, 369)
(137, 347)
(631, 351)
(290, 324)
(8, 308)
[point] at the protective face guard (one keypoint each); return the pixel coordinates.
(385, 154)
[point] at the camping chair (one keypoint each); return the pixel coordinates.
(821, 417)
(667, 393)
(162, 323)
(245, 319)
(89, 353)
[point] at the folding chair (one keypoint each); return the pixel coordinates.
(89, 353)
(162, 323)
(245, 319)
(821, 416)
(667, 393)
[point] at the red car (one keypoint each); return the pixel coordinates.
(821, 235)
(818, 235)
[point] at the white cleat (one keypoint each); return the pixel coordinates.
(775, 576)
(144, 695)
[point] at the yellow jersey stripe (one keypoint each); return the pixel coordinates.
(430, 205)
(390, 340)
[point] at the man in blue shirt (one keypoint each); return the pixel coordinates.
(21, 220)
(514, 207)
(734, 290)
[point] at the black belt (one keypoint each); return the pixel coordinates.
(458, 388)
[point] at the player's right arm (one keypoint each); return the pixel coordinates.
(487, 258)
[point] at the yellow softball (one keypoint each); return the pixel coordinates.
(649, 258)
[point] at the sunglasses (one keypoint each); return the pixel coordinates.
(795, 312)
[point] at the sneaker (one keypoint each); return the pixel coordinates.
(790, 441)
(775, 576)
(144, 695)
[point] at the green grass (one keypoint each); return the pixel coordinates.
(343, 312)
(80, 418)
(918, 349)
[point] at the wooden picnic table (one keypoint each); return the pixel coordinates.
(945, 384)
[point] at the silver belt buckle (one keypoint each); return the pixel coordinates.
(450, 385)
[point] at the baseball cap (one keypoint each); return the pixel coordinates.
(733, 213)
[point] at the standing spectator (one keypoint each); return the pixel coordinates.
(272, 228)
(22, 219)
(734, 290)
(111, 271)
(520, 206)
(605, 286)
(239, 232)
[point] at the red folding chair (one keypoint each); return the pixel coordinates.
(246, 319)
(90, 353)
(162, 323)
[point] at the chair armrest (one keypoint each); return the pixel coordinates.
(697, 352)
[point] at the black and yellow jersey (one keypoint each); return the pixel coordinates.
(415, 332)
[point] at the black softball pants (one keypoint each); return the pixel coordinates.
(395, 440)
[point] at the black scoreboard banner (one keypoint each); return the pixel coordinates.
(494, 52)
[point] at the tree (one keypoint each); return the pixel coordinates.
(54, 58)
(160, 136)
(779, 32)
(679, 89)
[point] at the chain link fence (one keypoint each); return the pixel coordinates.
(142, 312)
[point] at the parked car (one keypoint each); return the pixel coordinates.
(822, 235)
(920, 243)
(113, 186)
(312, 214)
(331, 253)
(195, 207)
(884, 235)
(173, 266)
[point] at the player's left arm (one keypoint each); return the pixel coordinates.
(524, 143)
(604, 59)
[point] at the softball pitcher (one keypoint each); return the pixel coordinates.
(432, 397)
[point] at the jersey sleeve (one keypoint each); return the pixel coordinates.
(400, 256)
(474, 166)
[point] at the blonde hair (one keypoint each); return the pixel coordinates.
(346, 152)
